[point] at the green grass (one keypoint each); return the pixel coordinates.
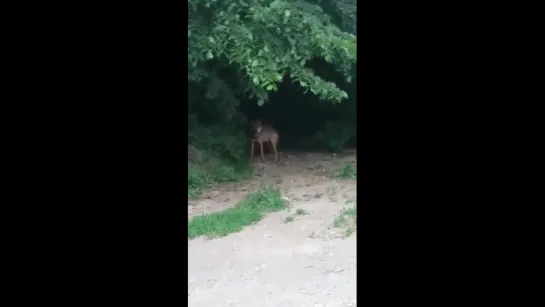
(248, 211)
(200, 177)
(215, 154)
(347, 220)
(347, 172)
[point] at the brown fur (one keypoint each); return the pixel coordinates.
(263, 134)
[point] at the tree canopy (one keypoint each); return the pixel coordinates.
(260, 42)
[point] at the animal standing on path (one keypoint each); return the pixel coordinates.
(261, 134)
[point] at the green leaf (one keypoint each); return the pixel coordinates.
(269, 87)
(254, 63)
(328, 59)
(287, 13)
(211, 39)
(260, 102)
(255, 79)
(209, 55)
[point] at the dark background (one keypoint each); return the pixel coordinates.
(298, 115)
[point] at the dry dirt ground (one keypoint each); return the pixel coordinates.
(306, 262)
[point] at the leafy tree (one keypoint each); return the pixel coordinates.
(246, 47)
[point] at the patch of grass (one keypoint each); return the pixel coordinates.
(289, 219)
(347, 220)
(348, 171)
(200, 177)
(248, 211)
(300, 212)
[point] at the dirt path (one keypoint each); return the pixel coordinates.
(306, 262)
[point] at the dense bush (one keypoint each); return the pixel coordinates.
(261, 41)
(242, 51)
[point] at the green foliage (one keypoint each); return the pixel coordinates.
(223, 141)
(243, 49)
(214, 170)
(196, 181)
(217, 149)
(248, 211)
(200, 177)
(259, 42)
(348, 171)
(217, 155)
(343, 13)
(347, 220)
(334, 136)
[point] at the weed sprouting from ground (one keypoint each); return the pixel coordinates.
(348, 171)
(347, 220)
(300, 212)
(248, 211)
(291, 218)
